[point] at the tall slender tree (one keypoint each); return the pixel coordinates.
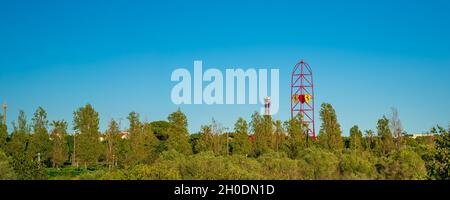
(151, 143)
(369, 139)
(206, 141)
(40, 146)
(143, 142)
(3, 134)
(178, 133)
(137, 151)
(330, 130)
(112, 138)
(296, 136)
(88, 146)
(241, 144)
(387, 143)
(355, 138)
(24, 165)
(262, 127)
(19, 137)
(59, 148)
(439, 161)
(278, 136)
(268, 132)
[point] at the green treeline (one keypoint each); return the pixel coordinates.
(263, 148)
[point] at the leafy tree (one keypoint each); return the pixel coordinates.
(6, 171)
(241, 144)
(262, 127)
(19, 137)
(70, 141)
(151, 143)
(421, 145)
(324, 164)
(369, 140)
(178, 134)
(439, 165)
(405, 165)
(160, 129)
(296, 136)
(40, 146)
(355, 167)
(161, 170)
(255, 127)
(137, 152)
(387, 143)
(142, 142)
(88, 146)
(266, 140)
(59, 148)
(279, 166)
(194, 141)
(330, 130)
(167, 167)
(278, 136)
(123, 148)
(212, 138)
(206, 140)
(112, 140)
(208, 166)
(3, 134)
(27, 168)
(241, 126)
(355, 138)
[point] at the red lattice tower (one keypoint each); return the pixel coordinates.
(302, 96)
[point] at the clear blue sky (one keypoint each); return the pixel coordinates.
(367, 56)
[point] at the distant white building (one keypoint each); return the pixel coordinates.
(414, 136)
(123, 135)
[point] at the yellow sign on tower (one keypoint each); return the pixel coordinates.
(307, 98)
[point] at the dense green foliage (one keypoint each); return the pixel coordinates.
(86, 125)
(330, 130)
(39, 145)
(439, 157)
(178, 134)
(260, 149)
(6, 171)
(59, 148)
(356, 137)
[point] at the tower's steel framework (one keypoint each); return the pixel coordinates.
(302, 96)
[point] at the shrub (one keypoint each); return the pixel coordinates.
(6, 171)
(323, 163)
(355, 166)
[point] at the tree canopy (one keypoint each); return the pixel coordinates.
(262, 148)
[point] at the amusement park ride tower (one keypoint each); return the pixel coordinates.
(302, 96)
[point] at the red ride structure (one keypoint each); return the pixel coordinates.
(302, 96)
